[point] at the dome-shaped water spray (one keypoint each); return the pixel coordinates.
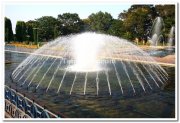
(90, 62)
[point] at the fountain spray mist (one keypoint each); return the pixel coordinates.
(99, 61)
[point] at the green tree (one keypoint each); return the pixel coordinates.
(70, 23)
(166, 11)
(8, 30)
(21, 31)
(100, 21)
(137, 20)
(30, 25)
(116, 28)
(46, 27)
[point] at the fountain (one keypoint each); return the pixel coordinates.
(90, 62)
(157, 28)
(171, 37)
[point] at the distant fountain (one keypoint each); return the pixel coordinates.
(90, 62)
(171, 37)
(156, 33)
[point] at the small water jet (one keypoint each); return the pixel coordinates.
(157, 28)
(90, 62)
(171, 37)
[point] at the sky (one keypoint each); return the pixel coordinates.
(26, 12)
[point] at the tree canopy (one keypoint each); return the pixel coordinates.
(136, 22)
(21, 31)
(69, 23)
(100, 21)
(30, 25)
(46, 26)
(138, 19)
(8, 30)
(116, 28)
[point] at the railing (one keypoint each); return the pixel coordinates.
(19, 106)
